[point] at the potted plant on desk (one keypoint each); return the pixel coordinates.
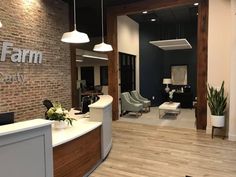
(217, 102)
(60, 116)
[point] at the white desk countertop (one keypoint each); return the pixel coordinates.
(23, 126)
(59, 136)
(80, 127)
(103, 102)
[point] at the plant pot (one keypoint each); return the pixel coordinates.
(60, 124)
(217, 121)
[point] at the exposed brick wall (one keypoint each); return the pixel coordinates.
(35, 25)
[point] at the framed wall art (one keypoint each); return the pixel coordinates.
(179, 75)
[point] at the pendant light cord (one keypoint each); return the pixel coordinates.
(74, 15)
(102, 21)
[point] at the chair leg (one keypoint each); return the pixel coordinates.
(121, 113)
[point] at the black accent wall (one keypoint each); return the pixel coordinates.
(155, 64)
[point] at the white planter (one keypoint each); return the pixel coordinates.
(60, 124)
(217, 121)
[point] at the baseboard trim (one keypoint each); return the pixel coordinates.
(232, 137)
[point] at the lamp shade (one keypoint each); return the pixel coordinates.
(0, 24)
(102, 47)
(75, 37)
(166, 81)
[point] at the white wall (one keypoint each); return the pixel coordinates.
(220, 66)
(128, 41)
(232, 112)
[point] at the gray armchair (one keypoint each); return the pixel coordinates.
(146, 103)
(128, 104)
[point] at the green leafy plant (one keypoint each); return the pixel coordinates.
(58, 113)
(217, 100)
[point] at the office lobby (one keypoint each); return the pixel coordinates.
(49, 127)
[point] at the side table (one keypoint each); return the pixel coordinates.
(212, 131)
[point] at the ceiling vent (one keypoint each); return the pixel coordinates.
(172, 44)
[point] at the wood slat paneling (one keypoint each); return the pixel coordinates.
(77, 157)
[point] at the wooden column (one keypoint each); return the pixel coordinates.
(113, 63)
(202, 46)
(74, 95)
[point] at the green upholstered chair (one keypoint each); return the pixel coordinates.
(146, 103)
(128, 104)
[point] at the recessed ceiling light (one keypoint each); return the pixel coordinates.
(196, 4)
(145, 12)
(153, 19)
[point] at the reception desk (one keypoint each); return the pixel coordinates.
(101, 111)
(26, 149)
(77, 149)
(36, 148)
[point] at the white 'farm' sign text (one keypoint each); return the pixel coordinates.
(18, 55)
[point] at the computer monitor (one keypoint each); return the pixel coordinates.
(86, 101)
(6, 118)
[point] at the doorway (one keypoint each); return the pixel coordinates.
(202, 46)
(87, 74)
(127, 72)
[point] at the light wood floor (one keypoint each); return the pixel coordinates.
(144, 150)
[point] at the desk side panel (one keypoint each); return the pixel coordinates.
(27, 153)
(77, 157)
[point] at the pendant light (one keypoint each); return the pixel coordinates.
(102, 47)
(75, 36)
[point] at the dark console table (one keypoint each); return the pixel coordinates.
(185, 99)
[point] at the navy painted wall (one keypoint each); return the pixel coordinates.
(155, 64)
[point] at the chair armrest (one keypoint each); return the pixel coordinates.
(133, 100)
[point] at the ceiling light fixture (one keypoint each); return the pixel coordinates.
(0, 24)
(144, 12)
(153, 19)
(80, 61)
(172, 44)
(75, 36)
(97, 57)
(196, 4)
(102, 47)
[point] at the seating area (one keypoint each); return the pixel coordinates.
(134, 102)
(146, 103)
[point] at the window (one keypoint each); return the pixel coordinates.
(103, 75)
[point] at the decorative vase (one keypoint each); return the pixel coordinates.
(60, 124)
(217, 121)
(170, 101)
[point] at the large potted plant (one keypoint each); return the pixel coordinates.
(59, 115)
(217, 102)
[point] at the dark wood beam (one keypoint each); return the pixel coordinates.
(202, 50)
(74, 74)
(113, 63)
(148, 5)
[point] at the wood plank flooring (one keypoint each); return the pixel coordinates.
(143, 150)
